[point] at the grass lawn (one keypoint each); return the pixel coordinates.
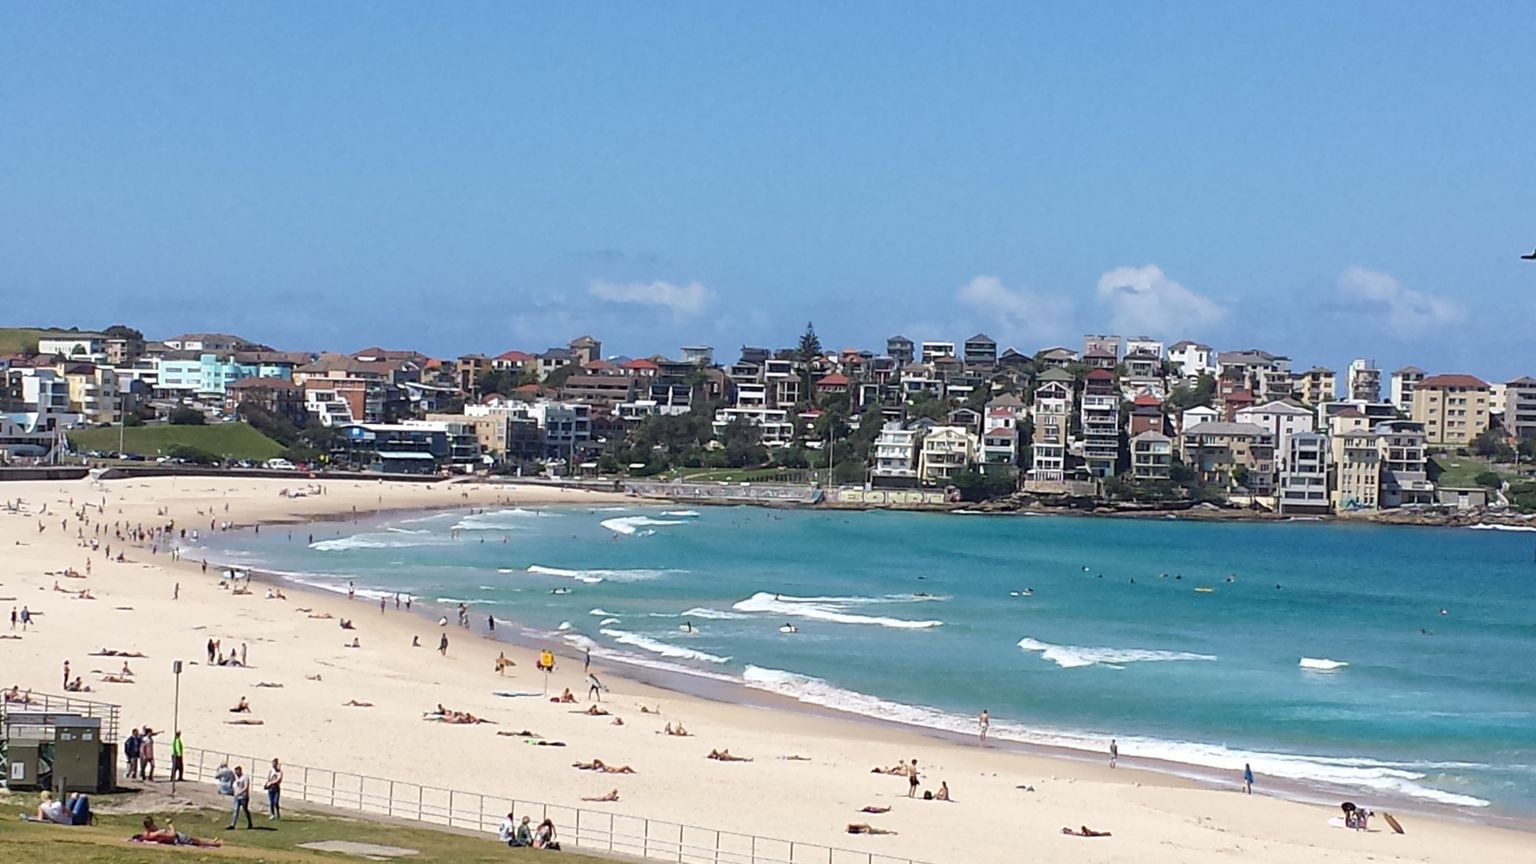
(747, 475)
(1462, 470)
(14, 339)
(106, 841)
(230, 440)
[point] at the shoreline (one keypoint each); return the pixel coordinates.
(1148, 811)
(678, 679)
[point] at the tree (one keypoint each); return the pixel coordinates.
(123, 331)
(1240, 476)
(810, 345)
(185, 416)
(1487, 443)
(1489, 480)
(557, 378)
(496, 381)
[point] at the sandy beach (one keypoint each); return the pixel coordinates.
(170, 610)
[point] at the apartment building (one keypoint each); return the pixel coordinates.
(1101, 423)
(1520, 407)
(1453, 408)
(1404, 467)
(1364, 380)
(1303, 486)
(1402, 383)
(896, 455)
(1151, 456)
(946, 451)
(1052, 413)
(1215, 451)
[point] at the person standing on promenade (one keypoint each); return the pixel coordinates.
(178, 769)
(131, 751)
(274, 787)
(1247, 779)
(986, 723)
(242, 790)
(147, 755)
(66, 670)
(1114, 752)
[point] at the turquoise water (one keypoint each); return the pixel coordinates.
(1068, 630)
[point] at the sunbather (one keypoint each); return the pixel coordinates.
(169, 836)
(725, 756)
(611, 796)
(1085, 831)
(861, 828)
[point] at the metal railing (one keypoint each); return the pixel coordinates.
(577, 827)
(46, 703)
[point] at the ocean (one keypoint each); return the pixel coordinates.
(1396, 662)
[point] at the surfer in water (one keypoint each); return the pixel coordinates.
(789, 628)
(687, 626)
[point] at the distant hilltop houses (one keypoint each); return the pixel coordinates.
(1127, 419)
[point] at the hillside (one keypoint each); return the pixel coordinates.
(230, 440)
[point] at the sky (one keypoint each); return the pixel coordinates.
(1323, 180)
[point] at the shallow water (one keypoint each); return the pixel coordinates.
(1315, 650)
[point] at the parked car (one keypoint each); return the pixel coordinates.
(279, 465)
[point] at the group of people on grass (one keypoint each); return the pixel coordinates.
(518, 834)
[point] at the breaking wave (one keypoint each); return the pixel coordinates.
(658, 647)
(830, 609)
(1076, 656)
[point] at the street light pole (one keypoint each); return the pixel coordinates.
(175, 724)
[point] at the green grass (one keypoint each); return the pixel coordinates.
(14, 339)
(230, 440)
(1462, 470)
(106, 841)
(747, 475)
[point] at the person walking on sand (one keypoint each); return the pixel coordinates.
(594, 688)
(442, 644)
(274, 787)
(242, 790)
(66, 674)
(1247, 779)
(912, 780)
(1114, 752)
(986, 723)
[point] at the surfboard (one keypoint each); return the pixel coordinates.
(1205, 590)
(1391, 820)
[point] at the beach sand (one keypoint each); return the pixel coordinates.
(1153, 817)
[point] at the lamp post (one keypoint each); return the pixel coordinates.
(175, 723)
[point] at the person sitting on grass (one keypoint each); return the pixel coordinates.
(544, 837)
(80, 809)
(169, 836)
(49, 810)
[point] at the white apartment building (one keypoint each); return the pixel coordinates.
(1364, 382)
(931, 351)
(1281, 419)
(896, 452)
(1191, 358)
(1403, 381)
(1052, 414)
(773, 424)
(1304, 474)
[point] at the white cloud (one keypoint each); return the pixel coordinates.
(689, 299)
(1017, 313)
(1401, 310)
(1145, 300)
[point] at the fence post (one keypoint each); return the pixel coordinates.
(390, 807)
(717, 847)
(450, 808)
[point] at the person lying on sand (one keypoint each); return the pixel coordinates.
(645, 710)
(353, 703)
(871, 808)
(325, 616)
(110, 652)
(598, 766)
(861, 828)
(246, 722)
(795, 758)
(676, 731)
(1085, 831)
(611, 796)
(169, 836)
(309, 678)
(346, 624)
(523, 733)
(593, 711)
(898, 771)
(725, 756)
(539, 742)
(116, 679)
(268, 684)
(84, 595)
(241, 707)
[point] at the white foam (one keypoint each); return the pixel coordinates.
(616, 656)
(631, 525)
(710, 614)
(599, 613)
(1385, 777)
(594, 576)
(1482, 526)
(578, 575)
(1319, 664)
(564, 625)
(456, 601)
(394, 538)
(680, 513)
(606, 621)
(501, 520)
(824, 609)
(1076, 656)
(658, 647)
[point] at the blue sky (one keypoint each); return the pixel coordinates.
(1327, 180)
